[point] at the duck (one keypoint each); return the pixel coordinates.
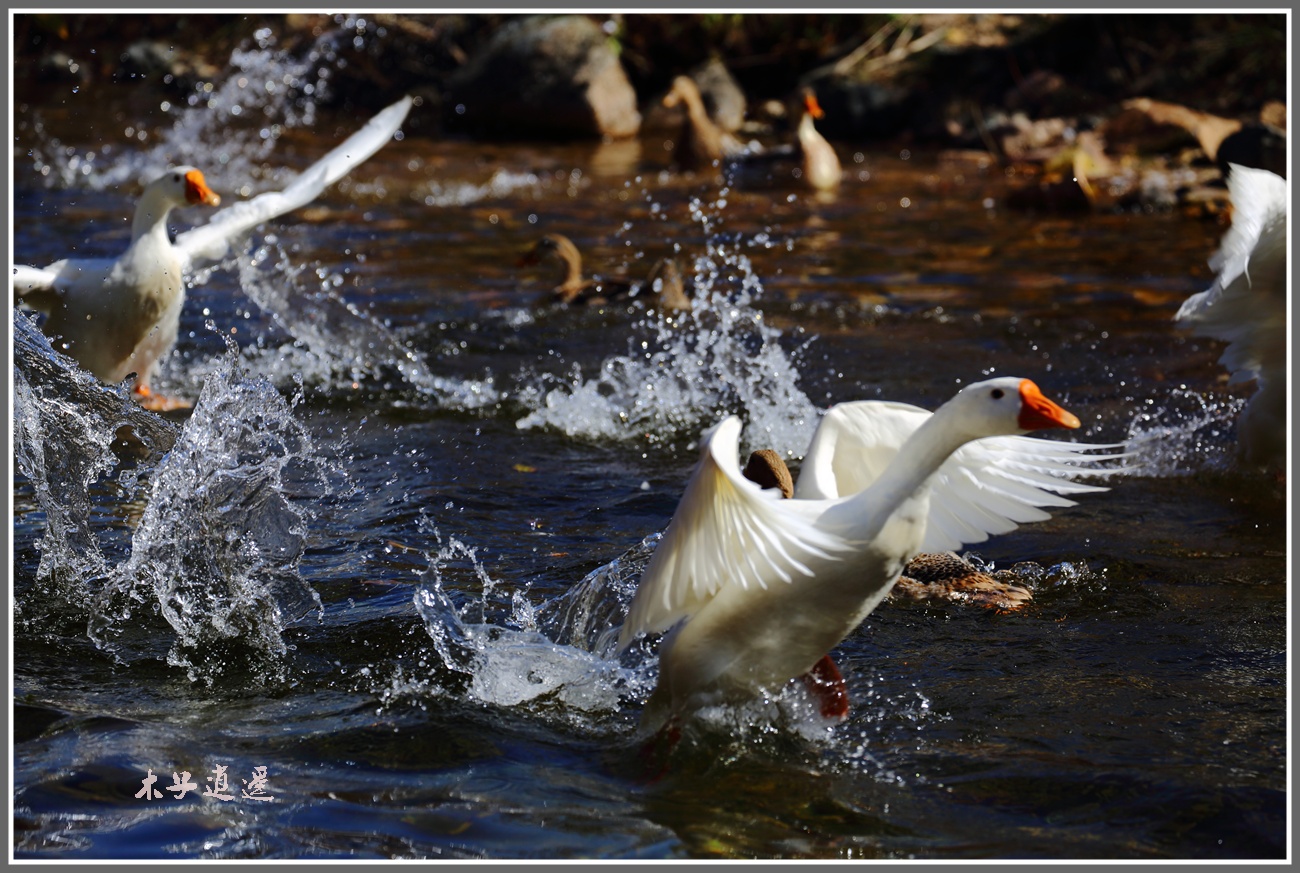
(938, 576)
(701, 143)
(574, 289)
(1246, 308)
(120, 316)
(751, 590)
(821, 167)
(946, 576)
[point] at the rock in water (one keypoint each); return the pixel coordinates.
(545, 76)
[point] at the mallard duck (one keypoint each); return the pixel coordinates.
(701, 144)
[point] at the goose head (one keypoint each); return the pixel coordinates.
(1004, 406)
(179, 186)
(184, 186)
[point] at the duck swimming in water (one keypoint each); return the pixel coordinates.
(821, 166)
(575, 289)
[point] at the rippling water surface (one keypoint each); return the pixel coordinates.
(377, 562)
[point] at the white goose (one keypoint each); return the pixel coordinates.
(118, 316)
(1246, 307)
(756, 590)
(821, 167)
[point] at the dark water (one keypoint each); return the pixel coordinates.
(378, 556)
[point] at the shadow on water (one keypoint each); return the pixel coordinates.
(383, 556)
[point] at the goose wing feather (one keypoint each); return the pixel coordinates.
(211, 241)
(727, 531)
(986, 487)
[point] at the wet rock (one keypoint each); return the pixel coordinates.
(723, 97)
(384, 56)
(544, 76)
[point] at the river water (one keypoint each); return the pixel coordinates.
(366, 578)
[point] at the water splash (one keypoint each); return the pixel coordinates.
(493, 646)
(336, 343)
(228, 128)
(502, 184)
(1185, 434)
(559, 660)
(66, 427)
(687, 371)
(216, 542)
(216, 546)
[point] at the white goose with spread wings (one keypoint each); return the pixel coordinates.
(1246, 307)
(754, 590)
(118, 316)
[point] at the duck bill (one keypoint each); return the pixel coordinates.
(197, 190)
(1037, 412)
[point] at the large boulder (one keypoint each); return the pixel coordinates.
(544, 76)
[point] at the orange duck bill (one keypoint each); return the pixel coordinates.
(1037, 412)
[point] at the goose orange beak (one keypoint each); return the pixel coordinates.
(814, 108)
(197, 190)
(1037, 412)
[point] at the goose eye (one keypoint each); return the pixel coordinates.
(998, 393)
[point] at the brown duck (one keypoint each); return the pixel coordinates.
(574, 289)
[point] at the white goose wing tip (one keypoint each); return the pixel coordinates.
(211, 241)
(994, 485)
(29, 280)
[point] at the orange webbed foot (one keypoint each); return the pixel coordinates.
(158, 402)
(825, 683)
(657, 750)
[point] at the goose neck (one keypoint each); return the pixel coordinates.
(151, 215)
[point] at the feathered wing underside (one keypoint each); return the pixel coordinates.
(1246, 305)
(986, 487)
(994, 485)
(41, 289)
(37, 288)
(211, 241)
(726, 531)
